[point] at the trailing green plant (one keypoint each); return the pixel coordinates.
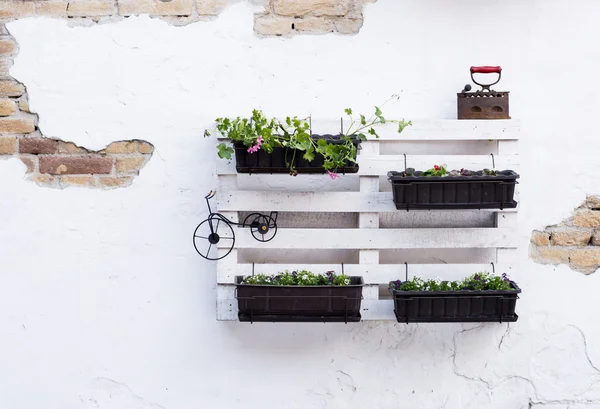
(441, 171)
(259, 132)
(476, 282)
(300, 277)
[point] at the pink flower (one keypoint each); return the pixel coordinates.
(255, 148)
(333, 175)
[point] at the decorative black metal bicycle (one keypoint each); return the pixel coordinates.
(217, 228)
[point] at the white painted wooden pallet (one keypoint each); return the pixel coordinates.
(500, 138)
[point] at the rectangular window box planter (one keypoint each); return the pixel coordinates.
(275, 162)
(456, 306)
(318, 303)
(454, 192)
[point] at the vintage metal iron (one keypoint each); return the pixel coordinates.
(484, 103)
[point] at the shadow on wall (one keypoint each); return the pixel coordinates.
(574, 241)
(52, 162)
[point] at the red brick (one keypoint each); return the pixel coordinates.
(70, 165)
(38, 145)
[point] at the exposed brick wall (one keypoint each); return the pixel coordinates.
(56, 163)
(575, 241)
(287, 17)
(52, 162)
(278, 18)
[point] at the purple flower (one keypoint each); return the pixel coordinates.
(505, 277)
(477, 277)
(294, 273)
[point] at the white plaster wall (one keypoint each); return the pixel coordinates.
(104, 304)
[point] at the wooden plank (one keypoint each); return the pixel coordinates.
(508, 147)
(507, 219)
(433, 130)
(368, 256)
(380, 165)
(374, 239)
(377, 310)
(507, 255)
(372, 202)
(372, 273)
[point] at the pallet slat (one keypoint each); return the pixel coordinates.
(433, 130)
(369, 202)
(381, 239)
(313, 202)
(380, 165)
(371, 273)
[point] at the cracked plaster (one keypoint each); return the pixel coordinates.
(104, 293)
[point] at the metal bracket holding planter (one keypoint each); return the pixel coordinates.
(455, 306)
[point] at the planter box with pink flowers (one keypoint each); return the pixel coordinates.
(263, 145)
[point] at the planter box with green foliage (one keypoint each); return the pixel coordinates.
(479, 298)
(263, 145)
(299, 296)
(438, 188)
(281, 160)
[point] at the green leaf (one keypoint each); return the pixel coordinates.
(362, 136)
(348, 111)
(206, 133)
(224, 151)
(309, 155)
(363, 120)
(403, 124)
(377, 112)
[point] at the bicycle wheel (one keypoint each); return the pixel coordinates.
(206, 238)
(262, 227)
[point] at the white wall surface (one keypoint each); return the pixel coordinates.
(104, 304)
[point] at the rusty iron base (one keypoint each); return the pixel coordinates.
(483, 105)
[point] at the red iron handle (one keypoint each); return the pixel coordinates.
(486, 69)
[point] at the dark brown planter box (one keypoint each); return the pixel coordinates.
(454, 192)
(275, 162)
(317, 303)
(456, 306)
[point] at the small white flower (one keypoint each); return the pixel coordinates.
(304, 277)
